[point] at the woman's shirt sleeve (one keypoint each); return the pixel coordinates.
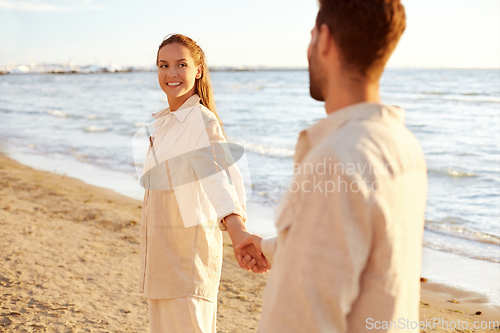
(219, 175)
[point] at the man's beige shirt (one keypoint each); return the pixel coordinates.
(349, 246)
(181, 239)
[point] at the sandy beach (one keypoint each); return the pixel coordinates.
(70, 263)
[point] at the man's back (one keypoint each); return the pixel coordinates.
(350, 227)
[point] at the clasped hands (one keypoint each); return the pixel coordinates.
(246, 246)
(249, 254)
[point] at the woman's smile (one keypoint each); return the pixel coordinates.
(174, 84)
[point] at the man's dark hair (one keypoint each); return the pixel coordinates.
(366, 31)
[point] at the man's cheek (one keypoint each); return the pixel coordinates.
(309, 52)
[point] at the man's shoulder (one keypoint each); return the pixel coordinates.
(370, 144)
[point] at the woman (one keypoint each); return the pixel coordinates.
(191, 195)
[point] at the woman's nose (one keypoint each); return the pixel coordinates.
(171, 72)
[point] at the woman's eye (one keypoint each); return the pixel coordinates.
(182, 65)
(163, 66)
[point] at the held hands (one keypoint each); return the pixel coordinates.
(252, 241)
(248, 254)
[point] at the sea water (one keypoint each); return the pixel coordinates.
(454, 113)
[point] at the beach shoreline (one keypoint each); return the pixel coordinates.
(71, 256)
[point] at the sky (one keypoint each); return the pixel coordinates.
(274, 33)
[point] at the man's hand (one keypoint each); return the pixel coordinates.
(255, 260)
(247, 260)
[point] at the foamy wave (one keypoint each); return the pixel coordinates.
(471, 99)
(488, 254)
(58, 113)
(461, 232)
(432, 93)
(266, 150)
(252, 86)
(451, 236)
(139, 124)
(82, 157)
(464, 97)
(453, 173)
(95, 129)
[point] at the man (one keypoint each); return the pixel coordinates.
(347, 257)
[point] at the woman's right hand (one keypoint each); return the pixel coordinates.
(246, 259)
(238, 233)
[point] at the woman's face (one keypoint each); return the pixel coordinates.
(177, 71)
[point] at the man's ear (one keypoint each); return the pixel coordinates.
(324, 40)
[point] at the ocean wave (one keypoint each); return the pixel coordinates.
(139, 124)
(455, 173)
(456, 93)
(459, 97)
(62, 114)
(452, 173)
(451, 228)
(468, 154)
(82, 157)
(95, 129)
(248, 85)
(58, 113)
(451, 235)
(475, 100)
(490, 254)
(266, 150)
(432, 93)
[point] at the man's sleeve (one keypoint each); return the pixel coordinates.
(219, 175)
(268, 246)
(323, 248)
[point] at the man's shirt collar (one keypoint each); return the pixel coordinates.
(182, 112)
(315, 133)
(360, 111)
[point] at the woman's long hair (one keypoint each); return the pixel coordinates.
(203, 87)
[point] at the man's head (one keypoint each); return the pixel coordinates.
(354, 37)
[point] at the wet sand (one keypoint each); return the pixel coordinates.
(70, 259)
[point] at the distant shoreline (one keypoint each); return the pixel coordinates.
(220, 69)
(104, 71)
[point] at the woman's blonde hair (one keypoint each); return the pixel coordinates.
(203, 87)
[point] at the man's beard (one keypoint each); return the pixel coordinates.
(316, 77)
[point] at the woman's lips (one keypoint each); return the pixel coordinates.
(173, 84)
